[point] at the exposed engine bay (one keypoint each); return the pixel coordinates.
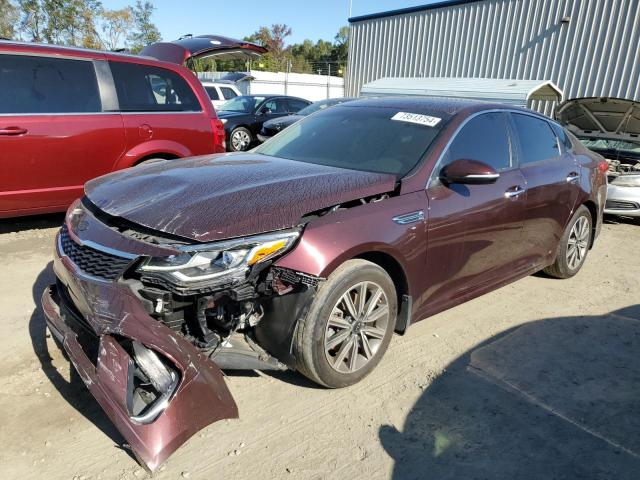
(622, 166)
(236, 313)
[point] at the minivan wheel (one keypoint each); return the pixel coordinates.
(349, 325)
(574, 246)
(240, 140)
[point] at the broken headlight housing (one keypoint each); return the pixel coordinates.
(220, 262)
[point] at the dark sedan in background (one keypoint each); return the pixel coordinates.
(271, 127)
(243, 116)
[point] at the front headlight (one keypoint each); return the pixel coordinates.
(626, 181)
(223, 120)
(225, 261)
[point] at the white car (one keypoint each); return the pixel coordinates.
(220, 92)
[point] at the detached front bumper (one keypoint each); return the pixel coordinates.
(93, 320)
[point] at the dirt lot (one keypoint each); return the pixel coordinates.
(540, 379)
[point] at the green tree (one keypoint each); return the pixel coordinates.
(145, 32)
(32, 20)
(8, 19)
(115, 25)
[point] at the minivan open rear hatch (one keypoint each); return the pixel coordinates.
(203, 46)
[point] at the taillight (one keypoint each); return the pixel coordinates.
(218, 133)
(603, 166)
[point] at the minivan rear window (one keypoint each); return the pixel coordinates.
(142, 88)
(30, 84)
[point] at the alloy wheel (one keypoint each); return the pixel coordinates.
(240, 140)
(356, 327)
(578, 243)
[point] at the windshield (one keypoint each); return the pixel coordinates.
(357, 138)
(243, 104)
(621, 147)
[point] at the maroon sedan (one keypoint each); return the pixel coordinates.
(307, 253)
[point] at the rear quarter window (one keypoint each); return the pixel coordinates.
(228, 93)
(212, 92)
(143, 88)
(537, 139)
(32, 84)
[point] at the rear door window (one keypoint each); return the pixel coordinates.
(483, 138)
(296, 105)
(32, 84)
(537, 139)
(143, 88)
(276, 105)
(212, 92)
(228, 93)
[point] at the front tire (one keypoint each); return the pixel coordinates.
(240, 140)
(348, 327)
(574, 245)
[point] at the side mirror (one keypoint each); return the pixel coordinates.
(264, 111)
(470, 172)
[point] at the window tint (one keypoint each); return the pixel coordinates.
(537, 140)
(296, 105)
(212, 92)
(142, 88)
(483, 138)
(562, 135)
(228, 93)
(277, 105)
(30, 84)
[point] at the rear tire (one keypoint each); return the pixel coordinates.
(342, 339)
(574, 245)
(240, 140)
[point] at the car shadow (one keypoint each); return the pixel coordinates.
(617, 220)
(73, 391)
(554, 398)
(34, 222)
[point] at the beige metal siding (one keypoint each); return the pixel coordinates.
(595, 54)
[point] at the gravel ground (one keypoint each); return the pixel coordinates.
(540, 379)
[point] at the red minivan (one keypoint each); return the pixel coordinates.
(68, 115)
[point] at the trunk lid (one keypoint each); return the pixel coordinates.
(217, 197)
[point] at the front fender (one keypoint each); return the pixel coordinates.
(329, 241)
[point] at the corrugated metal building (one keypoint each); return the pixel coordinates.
(586, 47)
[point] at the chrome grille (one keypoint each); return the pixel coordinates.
(91, 261)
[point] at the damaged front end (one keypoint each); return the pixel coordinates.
(142, 317)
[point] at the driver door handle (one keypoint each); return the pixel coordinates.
(573, 177)
(514, 191)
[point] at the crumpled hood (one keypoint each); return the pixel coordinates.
(223, 196)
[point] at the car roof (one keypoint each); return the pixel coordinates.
(444, 105)
(10, 46)
(265, 96)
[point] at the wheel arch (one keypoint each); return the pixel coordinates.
(593, 210)
(398, 276)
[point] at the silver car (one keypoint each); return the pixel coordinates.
(610, 127)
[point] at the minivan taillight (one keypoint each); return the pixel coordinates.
(218, 133)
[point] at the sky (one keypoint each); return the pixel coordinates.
(308, 19)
